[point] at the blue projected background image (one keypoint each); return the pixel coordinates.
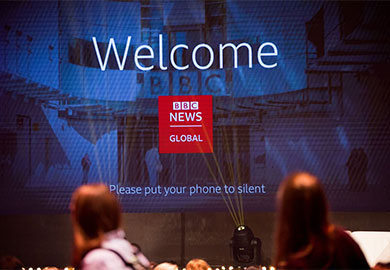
(322, 108)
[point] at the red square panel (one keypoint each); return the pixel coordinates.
(185, 124)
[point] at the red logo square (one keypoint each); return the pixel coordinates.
(185, 124)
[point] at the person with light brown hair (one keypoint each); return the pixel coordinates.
(99, 241)
(197, 264)
(305, 239)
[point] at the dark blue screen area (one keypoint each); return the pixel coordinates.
(322, 107)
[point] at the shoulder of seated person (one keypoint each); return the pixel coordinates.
(346, 243)
(341, 233)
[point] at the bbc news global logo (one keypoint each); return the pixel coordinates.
(185, 124)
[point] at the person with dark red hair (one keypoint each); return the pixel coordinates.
(305, 239)
(99, 241)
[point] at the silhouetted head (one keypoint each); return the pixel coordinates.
(10, 262)
(303, 214)
(166, 266)
(197, 264)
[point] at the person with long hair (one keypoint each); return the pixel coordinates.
(99, 241)
(305, 239)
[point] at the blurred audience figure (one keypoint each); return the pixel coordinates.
(99, 241)
(381, 265)
(166, 266)
(197, 264)
(10, 262)
(305, 239)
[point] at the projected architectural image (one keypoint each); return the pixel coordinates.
(294, 86)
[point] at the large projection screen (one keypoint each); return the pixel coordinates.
(292, 86)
